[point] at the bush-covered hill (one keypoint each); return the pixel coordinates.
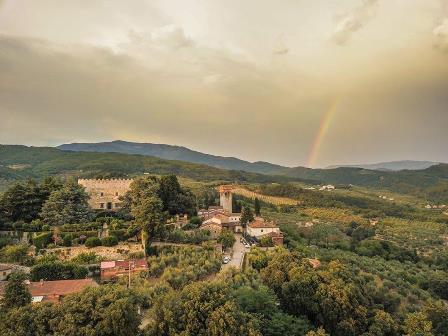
(430, 183)
(18, 162)
(21, 162)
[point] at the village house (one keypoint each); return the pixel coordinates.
(111, 270)
(213, 228)
(216, 218)
(105, 194)
(260, 228)
(5, 271)
(53, 291)
(327, 187)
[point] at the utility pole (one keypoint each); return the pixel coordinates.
(130, 265)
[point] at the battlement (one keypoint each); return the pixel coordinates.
(104, 180)
(106, 193)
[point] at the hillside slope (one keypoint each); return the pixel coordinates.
(393, 165)
(43, 161)
(169, 152)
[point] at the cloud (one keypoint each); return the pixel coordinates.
(170, 37)
(353, 21)
(441, 36)
(280, 47)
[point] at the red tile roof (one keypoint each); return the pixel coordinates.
(137, 263)
(59, 287)
(260, 223)
(55, 288)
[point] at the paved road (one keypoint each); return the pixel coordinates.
(238, 254)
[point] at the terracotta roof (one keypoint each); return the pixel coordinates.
(57, 287)
(260, 223)
(137, 263)
(315, 263)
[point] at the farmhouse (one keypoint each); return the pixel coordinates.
(111, 270)
(5, 270)
(259, 227)
(105, 194)
(53, 291)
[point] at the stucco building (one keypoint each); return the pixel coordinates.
(105, 194)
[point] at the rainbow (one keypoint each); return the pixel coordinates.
(321, 133)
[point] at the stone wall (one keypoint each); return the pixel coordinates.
(105, 194)
(120, 251)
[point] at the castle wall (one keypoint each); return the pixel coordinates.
(105, 194)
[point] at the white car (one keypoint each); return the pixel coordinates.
(226, 260)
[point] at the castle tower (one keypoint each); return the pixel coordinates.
(225, 198)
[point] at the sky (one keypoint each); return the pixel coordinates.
(294, 82)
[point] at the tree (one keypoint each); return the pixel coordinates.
(146, 207)
(109, 241)
(201, 308)
(382, 325)
(57, 271)
(247, 216)
(24, 201)
(175, 199)
(417, 324)
(437, 313)
(280, 324)
(257, 207)
(14, 254)
(318, 332)
(226, 238)
(92, 242)
(68, 205)
(16, 293)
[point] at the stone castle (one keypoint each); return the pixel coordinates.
(105, 194)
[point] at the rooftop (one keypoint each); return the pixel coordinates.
(260, 223)
(137, 263)
(55, 288)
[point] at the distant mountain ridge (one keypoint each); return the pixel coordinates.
(170, 152)
(180, 153)
(21, 162)
(392, 166)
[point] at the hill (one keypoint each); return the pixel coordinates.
(170, 152)
(393, 165)
(430, 183)
(36, 162)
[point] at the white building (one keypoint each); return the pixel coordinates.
(259, 227)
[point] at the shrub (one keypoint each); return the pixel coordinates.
(14, 253)
(57, 271)
(42, 240)
(67, 240)
(86, 258)
(92, 242)
(109, 241)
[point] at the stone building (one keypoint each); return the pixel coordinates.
(105, 194)
(225, 197)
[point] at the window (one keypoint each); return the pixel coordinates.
(116, 194)
(117, 205)
(101, 194)
(102, 205)
(109, 205)
(261, 230)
